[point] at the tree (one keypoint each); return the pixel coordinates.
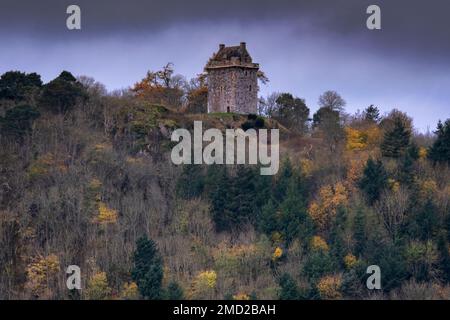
(174, 291)
(288, 288)
(62, 94)
(191, 182)
(291, 112)
(197, 95)
(396, 140)
(373, 181)
(328, 122)
(161, 87)
(15, 85)
(18, 121)
(439, 152)
(148, 269)
(359, 232)
(332, 100)
(372, 114)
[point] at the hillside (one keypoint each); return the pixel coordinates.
(86, 179)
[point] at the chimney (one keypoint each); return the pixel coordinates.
(221, 46)
(242, 46)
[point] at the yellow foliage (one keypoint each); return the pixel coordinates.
(277, 254)
(277, 237)
(354, 173)
(356, 140)
(41, 272)
(428, 188)
(100, 147)
(324, 209)
(44, 164)
(203, 284)
(241, 296)
(329, 287)
(106, 215)
(130, 291)
(319, 244)
(394, 185)
(97, 288)
(350, 261)
(423, 153)
(306, 166)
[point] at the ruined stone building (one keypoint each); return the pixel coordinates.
(232, 81)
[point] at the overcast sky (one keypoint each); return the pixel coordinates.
(305, 47)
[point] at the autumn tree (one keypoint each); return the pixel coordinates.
(148, 269)
(161, 87)
(197, 95)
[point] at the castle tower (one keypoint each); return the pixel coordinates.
(232, 81)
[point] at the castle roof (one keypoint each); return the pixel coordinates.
(234, 56)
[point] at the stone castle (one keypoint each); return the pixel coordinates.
(232, 81)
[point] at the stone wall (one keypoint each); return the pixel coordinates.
(233, 89)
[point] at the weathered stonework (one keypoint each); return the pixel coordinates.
(232, 81)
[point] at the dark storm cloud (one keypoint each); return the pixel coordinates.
(418, 26)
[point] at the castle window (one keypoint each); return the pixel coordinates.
(250, 88)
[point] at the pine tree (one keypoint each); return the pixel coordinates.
(148, 269)
(372, 114)
(359, 232)
(373, 181)
(289, 289)
(242, 197)
(191, 182)
(396, 140)
(219, 187)
(439, 152)
(427, 221)
(293, 219)
(174, 291)
(444, 257)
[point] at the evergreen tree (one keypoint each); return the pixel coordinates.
(427, 221)
(288, 288)
(18, 121)
(282, 181)
(61, 94)
(191, 182)
(219, 187)
(293, 219)
(359, 232)
(267, 221)
(439, 152)
(396, 140)
(444, 257)
(336, 236)
(148, 269)
(174, 291)
(372, 114)
(373, 181)
(243, 194)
